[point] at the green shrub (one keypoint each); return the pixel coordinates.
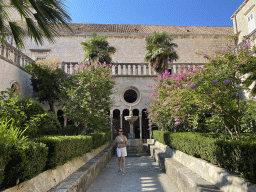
(100, 139)
(70, 130)
(27, 160)
(4, 159)
(236, 156)
(64, 148)
(43, 124)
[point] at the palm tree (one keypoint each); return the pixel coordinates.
(160, 48)
(38, 19)
(98, 49)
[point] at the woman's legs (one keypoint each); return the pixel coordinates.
(119, 163)
(123, 159)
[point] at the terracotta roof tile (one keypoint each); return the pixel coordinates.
(147, 29)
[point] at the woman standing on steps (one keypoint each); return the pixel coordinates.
(121, 143)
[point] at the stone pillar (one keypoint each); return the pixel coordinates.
(124, 70)
(144, 70)
(139, 70)
(113, 69)
(134, 70)
(111, 124)
(150, 130)
(149, 70)
(66, 68)
(121, 119)
(129, 69)
(174, 69)
(70, 68)
(140, 116)
(119, 69)
(65, 121)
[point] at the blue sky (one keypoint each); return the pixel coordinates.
(154, 12)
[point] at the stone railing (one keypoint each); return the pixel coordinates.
(250, 40)
(13, 55)
(132, 69)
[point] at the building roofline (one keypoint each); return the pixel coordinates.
(241, 6)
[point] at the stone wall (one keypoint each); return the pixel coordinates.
(131, 49)
(12, 74)
(241, 18)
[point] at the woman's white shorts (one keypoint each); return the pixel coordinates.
(121, 152)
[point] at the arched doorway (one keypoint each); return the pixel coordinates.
(116, 122)
(145, 127)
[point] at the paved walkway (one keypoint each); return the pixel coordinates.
(142, 174)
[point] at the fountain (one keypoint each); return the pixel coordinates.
(131, 119)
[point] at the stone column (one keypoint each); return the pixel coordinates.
(140, 116)
(66, 68)
(144, 70)
(119, 69)
(111, 124)
(134, 70)
(124, 70)
(149, 69)
(150, 130)
(174, 68)
(113, 69)
(65, 121)
(129, 69)
(70, 68)
(139, 70)
(121, 119)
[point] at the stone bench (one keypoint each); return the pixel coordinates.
(191, 174)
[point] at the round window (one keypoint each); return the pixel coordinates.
(130, 96)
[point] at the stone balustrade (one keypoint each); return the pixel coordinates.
(132, 69)
(13, 55)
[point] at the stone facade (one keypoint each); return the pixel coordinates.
(131, 73)
(240, 19)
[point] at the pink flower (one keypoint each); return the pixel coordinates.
(170, 99)
(227, 48)
(184, 85)
(206, 55)
(247, 45)
(188, 115)
(177, 123)
(152, 95)
(177, 109)
(168, 93)
(63, 87)
(149, 85)
(164, 104)
(178, 102)
(77, 83)
(176, 119)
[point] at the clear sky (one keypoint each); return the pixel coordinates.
(154, 12)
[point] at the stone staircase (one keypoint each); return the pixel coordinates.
(133, 152)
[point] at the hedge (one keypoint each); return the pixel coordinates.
(5, 156)
(27, 160)
(236, 156)
(64, 148)
(100, 139)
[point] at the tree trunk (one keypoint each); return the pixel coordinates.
(51, 103)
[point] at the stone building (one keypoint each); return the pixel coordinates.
(130, 72)
(244, 19)
(244, 26)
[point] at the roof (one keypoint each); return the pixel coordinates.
(81, 28)
(241, 6)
